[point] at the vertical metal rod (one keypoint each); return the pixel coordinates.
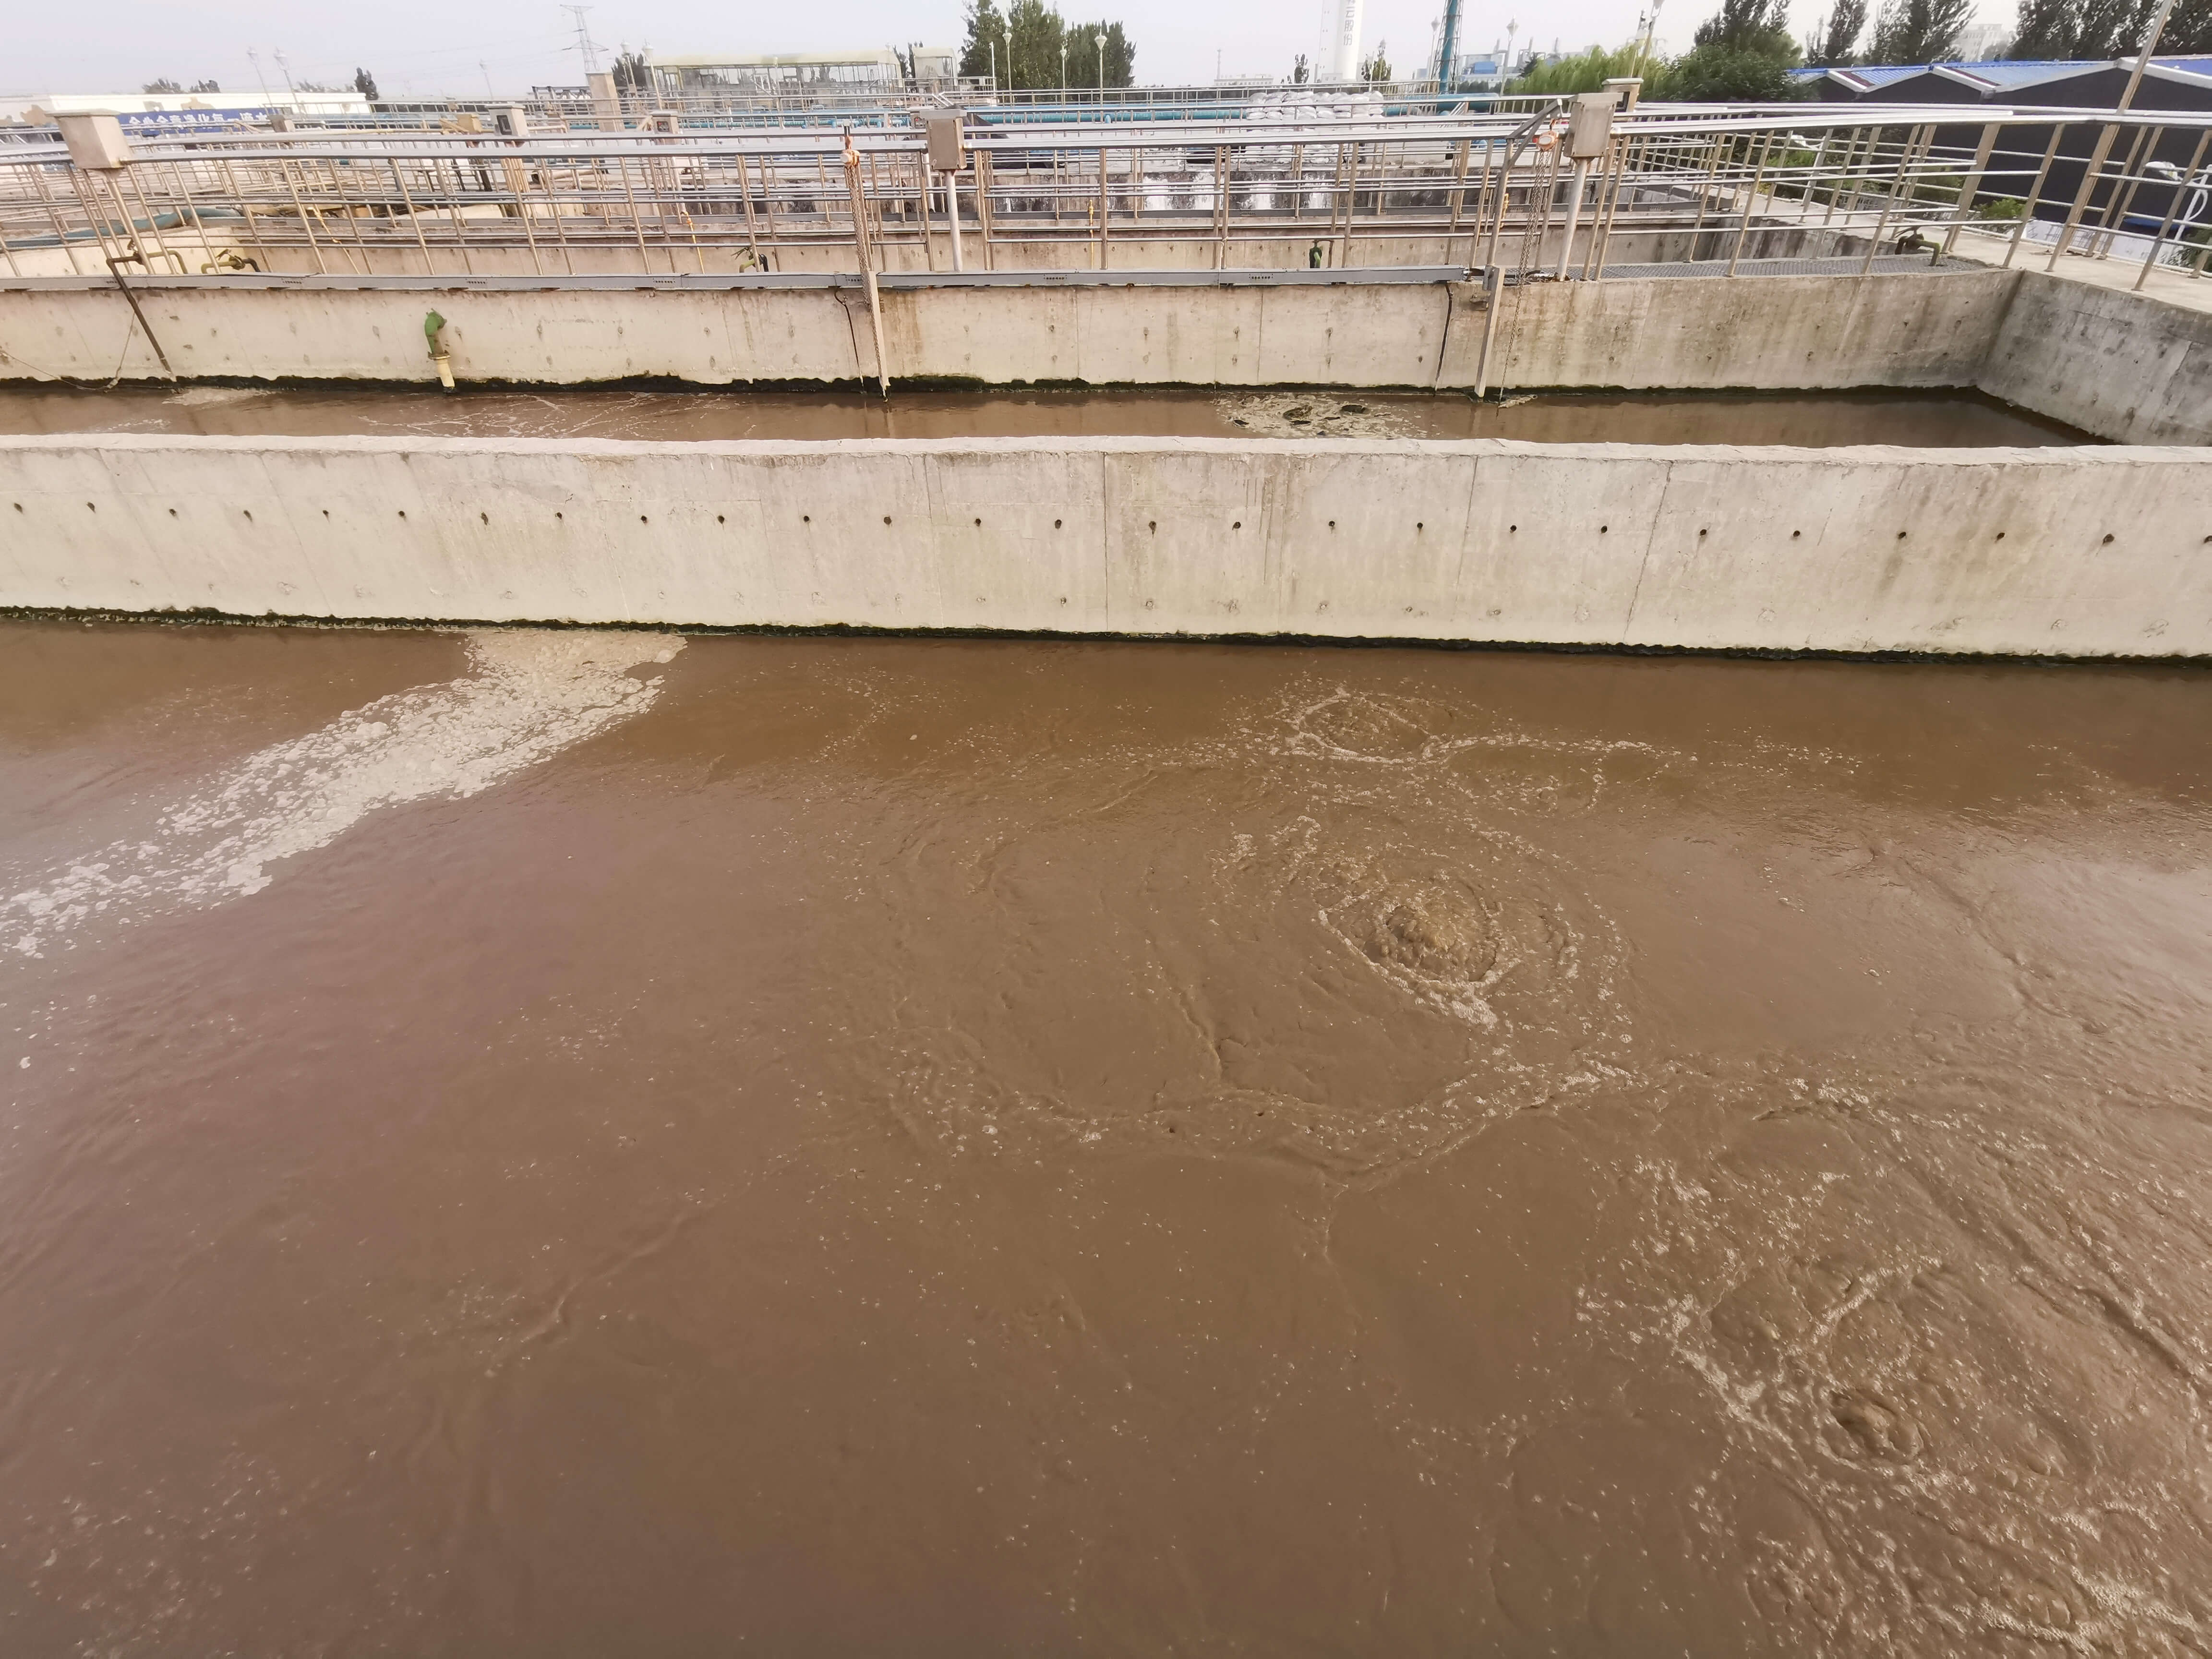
(1105, 207)
(1574, 214)
(1481, 203)
(560, 225)
(54, 212)
(1221, 207)
(2173, 207)
(1813, 177)
(1750, 200)
(1889, 199)
(1863, 170)
(1493, 278)
(286, 166)
(2034, 193)
(867, 265)
(153, 219)
(1706, 178)
(518, 179)
(252, 230)
(414, 218)
(1504, 198)
(2116, 208)
(1971, 186)
(454, 212)
(1843, 171)
(2090, 175)
(752, 222)
(359, 250)
(985, 223)
(1625, 153)
(636, 220)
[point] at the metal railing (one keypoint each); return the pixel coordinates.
(1293, 182)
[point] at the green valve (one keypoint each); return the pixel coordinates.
(431, 324)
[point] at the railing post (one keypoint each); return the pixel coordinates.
(1750, 200)
(867, 265)
(2116, 209)
(2035, 191)
(1973, 184)
(2098, 157)
(2181, 185)
(1493, 278)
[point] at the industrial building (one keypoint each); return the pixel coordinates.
(862, 69)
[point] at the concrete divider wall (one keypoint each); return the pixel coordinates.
(395, 253)
(1917, 330)
(2074, 551)
(1777, 332)
(2124, 366)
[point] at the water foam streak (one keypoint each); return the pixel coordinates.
(532, 694)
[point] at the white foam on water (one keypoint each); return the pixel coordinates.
(533, 694)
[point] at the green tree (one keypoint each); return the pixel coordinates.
(2063, 29)
(1741, 54)
(2111, 28)
(1299, 73)
(630, 73)
(1836, 43)
(1034, 33)
(2046, 29)
(1921, 31)
(1581, 71)
(985, 48)
(2188, 30)
(1083, 56)
(1376, 70)
(365, 84)
(164, 84)
(1760, 26)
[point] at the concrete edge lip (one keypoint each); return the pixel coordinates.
(1354, 277)
(2052, 455)
(205, 617)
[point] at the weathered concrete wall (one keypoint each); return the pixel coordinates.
(1770, 332)
(2128, 366)
(737, 330)
(387, 249)
(2080, 551)
(1775, 332)
(2122, 366)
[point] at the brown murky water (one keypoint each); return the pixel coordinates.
(595, 1143)
(1920, 419)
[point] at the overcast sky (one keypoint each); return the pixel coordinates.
(454, 45)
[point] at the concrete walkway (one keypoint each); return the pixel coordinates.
(2177, 287)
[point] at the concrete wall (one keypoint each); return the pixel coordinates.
(2079, 551)
(1768, 331)
(1778, 332)
(393, 252)
(2124, 366)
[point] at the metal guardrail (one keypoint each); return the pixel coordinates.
(1487, 183)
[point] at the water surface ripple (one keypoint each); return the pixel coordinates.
(545, 1143)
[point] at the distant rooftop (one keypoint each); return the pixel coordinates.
(2001, 74)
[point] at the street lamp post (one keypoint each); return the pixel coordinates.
(1101, 67)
